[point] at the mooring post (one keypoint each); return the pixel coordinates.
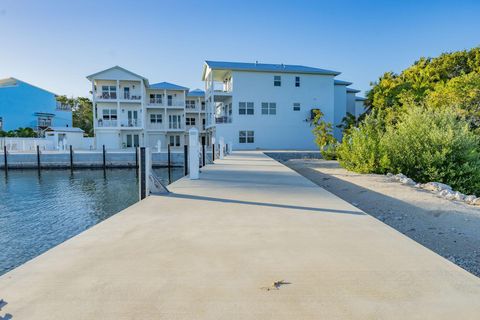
(71, 157)
(185, 158)
(203, 155)
(144, 172)
(169, 173)
(38, 157)
(5, 163)
(221, 147)
(136, 157)
(193, 146)
(213, 149)
(104, 159)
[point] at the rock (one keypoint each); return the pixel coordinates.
(389, 174)
(418, 185)
(407, 181)
(436, 186)
(459, 196)
(469, 199)
(447, 194)
(476, 202)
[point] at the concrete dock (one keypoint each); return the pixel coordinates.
(214, 247)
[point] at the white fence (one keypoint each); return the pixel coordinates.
(26, 144)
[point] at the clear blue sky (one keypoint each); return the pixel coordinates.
(55, 44)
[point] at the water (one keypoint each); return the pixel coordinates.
(38, 212)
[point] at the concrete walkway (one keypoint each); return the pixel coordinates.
(213, 248)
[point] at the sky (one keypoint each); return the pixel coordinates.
(55, 44)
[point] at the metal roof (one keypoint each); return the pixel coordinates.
(360, 98)
(266, 67)
(352, 90)
(342, 83)
(196, 93)
(166, 86)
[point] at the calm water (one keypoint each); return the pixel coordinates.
(37, 212)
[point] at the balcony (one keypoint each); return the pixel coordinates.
(155, 102)
(63, 107)
(223, 119)
(106, 123)
(131, 123)
(131, 97)
(156, 126)
(107, 96)
(173, 103)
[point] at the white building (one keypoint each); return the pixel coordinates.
(131, 112)
(269, 106)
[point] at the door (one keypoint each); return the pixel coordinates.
(133, 140)
(132, 118)
(126, 93)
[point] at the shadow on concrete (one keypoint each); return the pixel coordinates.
(254, 203)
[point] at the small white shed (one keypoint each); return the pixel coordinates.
(64, 137)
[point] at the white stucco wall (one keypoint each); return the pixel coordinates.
(359, 108)
(340, 109)
(287, 129)
(351, 102)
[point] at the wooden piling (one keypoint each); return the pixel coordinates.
(185, 158)
(169, 166)
(5, 162)
(203, 155)
(71, 157)
(104, 159)
(38, 158)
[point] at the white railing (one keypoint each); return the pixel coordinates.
(107, 123)
(107, 96)
(223, 119)
(131, 123)
(156, 126)
(132, 97)
(26, 144)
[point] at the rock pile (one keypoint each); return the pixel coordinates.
(441, 189)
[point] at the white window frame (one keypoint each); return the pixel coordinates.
(277, 81)
(296, 106)
(246, 136)
(174, 121)
(190, 121)
(297, 81)
(156, 118)
(246, 108)
(269, 108)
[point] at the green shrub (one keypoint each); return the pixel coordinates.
(324, 138)
(433, 146)
(360, 150)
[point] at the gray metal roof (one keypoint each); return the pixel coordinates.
(196, 93)
(166, 86)
(360, 98)
(353, 90)
(342, 83)
(265, 67)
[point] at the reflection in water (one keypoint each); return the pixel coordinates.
(40, 209)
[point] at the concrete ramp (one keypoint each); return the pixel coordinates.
(251, 239)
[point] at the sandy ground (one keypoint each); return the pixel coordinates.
(449, 228)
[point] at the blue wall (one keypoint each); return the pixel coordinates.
(20, 102)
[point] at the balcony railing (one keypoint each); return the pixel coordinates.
(156, 126)
(175, 126)
(155, 101)
(128, 96)
(131, 123)
(223, 119)
(107, 95)
(107, 123)
(63, 107)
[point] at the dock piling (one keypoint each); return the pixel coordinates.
(142, 173)
(5, 162)
(185, 158)
(169, 166)
(71, 157)
(203, 155)
(104, 159)
(38, 158)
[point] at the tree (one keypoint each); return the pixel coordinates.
(323, 136)
(82, 112)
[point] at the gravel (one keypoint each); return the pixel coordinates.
(448, 227)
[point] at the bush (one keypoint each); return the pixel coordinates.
(323, 136)
(360, 149)
(433, 146)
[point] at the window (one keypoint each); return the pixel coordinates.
(126, 93)
(190, 121)
(277, 81)
(156, 98)
(296, 106)
(245, 108)
(203, 105)
(190, 104)
(109, 92)
(109, 114)
(297, 81)
(246, 137)
(156, 118)
(175, 141)
(174, 121)
(170, 100)
(269, 108)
